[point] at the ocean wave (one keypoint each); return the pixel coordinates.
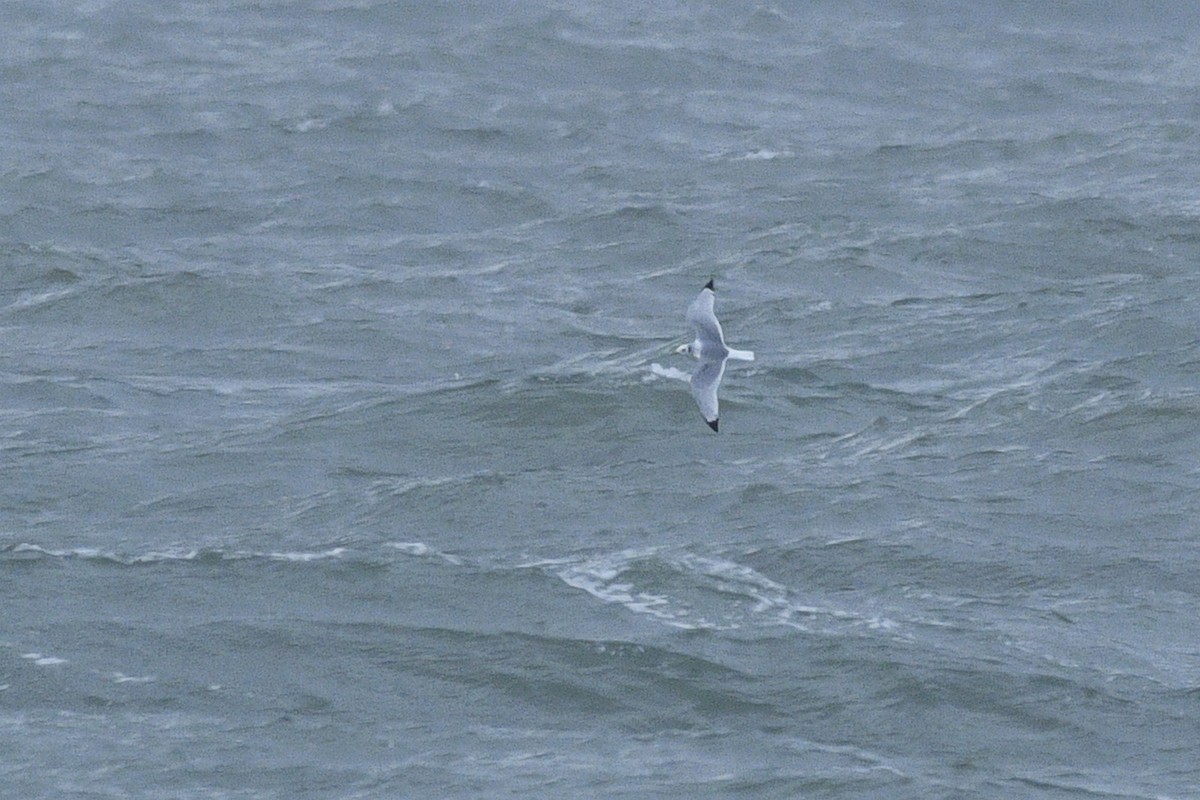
(422, 550)
(703, 592)
(24, 551)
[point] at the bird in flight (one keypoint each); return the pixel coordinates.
(709, 348)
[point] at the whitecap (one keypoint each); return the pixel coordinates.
(335, 552)
(598, 583)
(118, 677)
(95, 554)
(600, 576)
(170, 556)
(763, 154)
(669, 372)
(706, 592)
(43, 660)
(158, 557)
(422, 550)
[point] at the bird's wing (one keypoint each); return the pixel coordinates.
(702, 319)
(705, 381)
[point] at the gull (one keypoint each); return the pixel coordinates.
(710, 349)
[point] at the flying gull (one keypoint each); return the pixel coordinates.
(710, 349)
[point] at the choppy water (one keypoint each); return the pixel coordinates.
(332, 465)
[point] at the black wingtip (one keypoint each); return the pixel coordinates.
(713, 424)
(710, 286)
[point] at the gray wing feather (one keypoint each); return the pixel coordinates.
(705, 381)
(703, 320)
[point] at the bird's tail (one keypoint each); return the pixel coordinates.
(741, 355)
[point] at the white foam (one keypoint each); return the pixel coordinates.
(168, 556)
(157, 557)
(43, 661)
(93, 554)
(118, 677)
(336, 552)
(598, 577)
(308, 125)
(597, 584)
(670, 372)
(422, 550)
(691, 591)
(738, 579)
(762, 154)
(82, 552)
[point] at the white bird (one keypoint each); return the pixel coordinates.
(710, 349)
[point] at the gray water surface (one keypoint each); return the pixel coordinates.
(332, 464)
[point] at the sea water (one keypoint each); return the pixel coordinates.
(332, 463)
